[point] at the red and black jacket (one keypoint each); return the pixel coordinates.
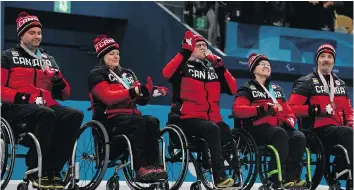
(197, 86)
(109, 97)
(251, 95)
(309, 91)
(21, 75)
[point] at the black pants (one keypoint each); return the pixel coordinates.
(333, 135)
(143, 133)
(215, 134)
(290, 144)
(56, 129)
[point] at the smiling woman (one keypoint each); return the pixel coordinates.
(272, 120)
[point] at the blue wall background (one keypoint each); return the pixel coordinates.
(286, 44)
(152, 38)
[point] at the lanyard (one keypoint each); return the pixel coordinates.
(120, 80)
(271, 94)
(330, 91)
(38, 55)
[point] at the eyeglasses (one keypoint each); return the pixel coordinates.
(201, 45)
(264, 64)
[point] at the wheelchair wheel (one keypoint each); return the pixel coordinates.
(330, 171)
(92, 154)
(176, 157)
(7, 154)
(240, 161)
(244, 161)
(317, 152)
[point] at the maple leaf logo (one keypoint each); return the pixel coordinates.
(189, 41)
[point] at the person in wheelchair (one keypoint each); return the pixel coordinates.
(271, 121)
(198, 77)
(114, 93)
(323, 98)
(30, 84)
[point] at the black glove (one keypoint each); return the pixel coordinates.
(265, 111)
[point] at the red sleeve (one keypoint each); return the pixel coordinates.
(297, 104)
(103, 92)
(172, 67)
(7, 94)
(242, 108)
(228, 82)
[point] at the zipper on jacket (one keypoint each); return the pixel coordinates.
(207, 100)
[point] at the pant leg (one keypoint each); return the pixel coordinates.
(210, 132)
(40, 121)
(275, 136)
(67, 126)
(225, 133)
(333, 135)
(297, 145)
(133, 126)
(152, 145)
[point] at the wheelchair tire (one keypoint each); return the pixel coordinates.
(251, 143)
(315, 146)
(243, 139)
(185, 154)
(22, 186)
(98, 131)
(8, 138)
(332, 182)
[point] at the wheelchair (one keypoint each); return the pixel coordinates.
(327, 166)
(121, 158)
(265, 152)
(14, 134)
(239, 155)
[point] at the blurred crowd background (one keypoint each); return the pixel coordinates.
(210, 17)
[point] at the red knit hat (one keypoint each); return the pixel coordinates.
(325, 48)
(25, 22)
(254, 59)
(103, 45)
(199, 38)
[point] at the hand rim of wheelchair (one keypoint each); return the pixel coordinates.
(328, 172)
(136, 184)
(11, 139)
(320, 160)
(101, 169)
(251, 176)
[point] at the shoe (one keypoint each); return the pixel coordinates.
(57, 181)
(46, 183)
(299, 183)
(288, 184)
(224, 181)
(146, 174)
(160, 173)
